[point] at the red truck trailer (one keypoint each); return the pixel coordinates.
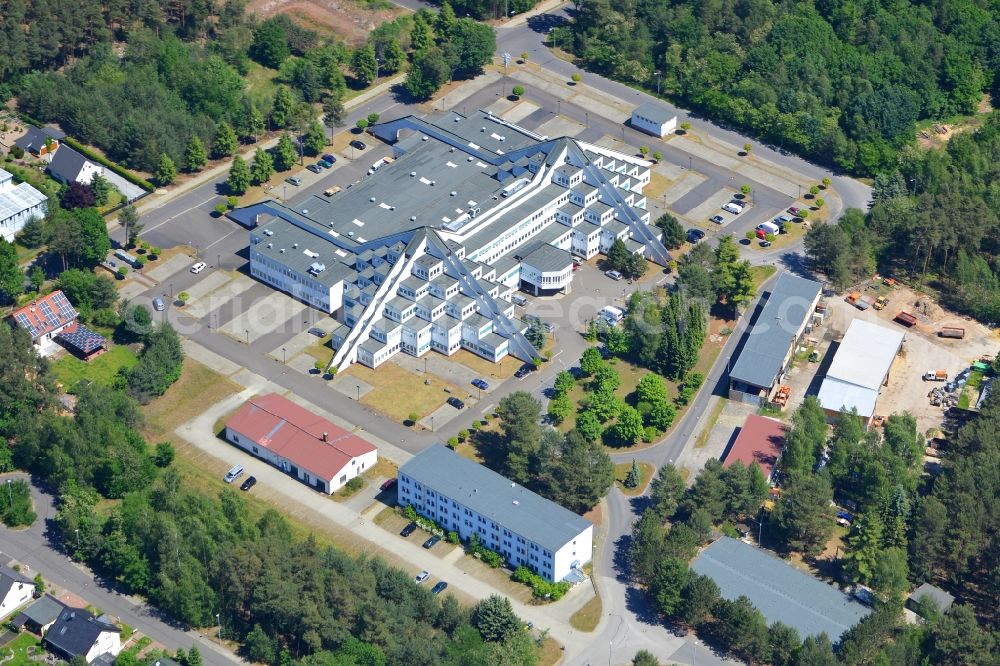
(906, 319)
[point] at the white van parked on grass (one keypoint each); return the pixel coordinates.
(233, 474)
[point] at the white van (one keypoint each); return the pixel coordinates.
(769, 228)
(733, 208)
(611, 314)
(199, 267)
(517, 299)
(233, 474)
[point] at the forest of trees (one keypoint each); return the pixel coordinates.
(284, 596)
(935, 217)
(909, 528)
(838, 81)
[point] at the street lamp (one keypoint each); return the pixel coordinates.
(359, 392)
(432, 423)
(10, 496)
(218, 261)
(77, 538)
(171, 290)
(283, 357)
(659, 74)
(378, 61)
(587, 114)
(690, 167)
(247, 331)
(218, 621)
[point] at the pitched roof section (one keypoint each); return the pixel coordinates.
(44, 315)
(655, 112)
(495, 497)
(44, 611)
(859, 367)
(76, 631)
(760, 441)
(788, 306)
(778, 590)
(82, 339)
(276, 423)
(8, 577)
(67, 164)
(17, 198)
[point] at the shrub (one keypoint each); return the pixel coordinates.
(410, 512)
(452, 537)
(657, 155)
(183, 296)
(232, 202)
(122, 272)
(221, 209)
(463, 435)
(412, 418)
(124, 173)
(643, 150)
(576, 77)
(540, 587)
(517, 91)
(355, 484)
(361, 124)
(372, 118)
(452, 443)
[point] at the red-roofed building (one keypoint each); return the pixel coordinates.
(300, 443)
(760, 440)
(44, 319)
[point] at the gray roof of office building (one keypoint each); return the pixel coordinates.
(495, 497)
(655, 112)
(547, 258)
(778, 590)
(788, 306)
(286, 235)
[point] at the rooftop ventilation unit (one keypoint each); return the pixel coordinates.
(268, 232)
(453, 193)
(482, 129)
(305, 211)
(424, 138)
(470, 158)
(474, 211)
(310, 254)
(351, 234)
(282, 250)
(413, 218)
(371, 199)
(316, 268)
(433, 183)
(295, 246)
(413, 174)
(457, 119)
(270, 245)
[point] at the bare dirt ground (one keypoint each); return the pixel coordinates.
(922, 351)
(348, 20)
(930, 138)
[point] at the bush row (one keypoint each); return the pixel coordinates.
(101, 159)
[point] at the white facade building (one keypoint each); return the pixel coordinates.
(18, 204)
(525, 528)
(654, 119)
(15, 590)
(427, 252)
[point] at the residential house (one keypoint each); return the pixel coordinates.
(44, 319)
(15, 591)
(77, 632)
(40, 142)
(69, 166)
(941, 599)
(40, 616)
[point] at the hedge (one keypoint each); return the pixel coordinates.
(121, 171)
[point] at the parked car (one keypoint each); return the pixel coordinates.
(439, 588)
(734, 208)
(614, 275)
(333, 190)
(199, 267)
(765, 243)
(249, 483)
(718, 219)
(408, 530)
(793, 210)
(360, 145)
(549, 326)
(524, 370)
(577, 260)
(430, 542)
(325, 164)
(695, 235)
(159, 305)
(480, 384)
(388, 484)
(294, 180)
(421, 577)
(315, 168)
(331, 158)
(456, 403)
(318, 332)
(233, 474)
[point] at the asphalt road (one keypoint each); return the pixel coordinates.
(35, 548)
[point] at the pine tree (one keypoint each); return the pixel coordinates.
(446, 20)
(334, 113)
(315, 138)
(239, 177)
(262, 166)
(225, 141)
(632, 479)
(364, 65)
(195, 156)
(282, 107)
(166, 171)
(284, 153)
(420, 35)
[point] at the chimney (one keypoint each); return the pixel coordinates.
(326, 437)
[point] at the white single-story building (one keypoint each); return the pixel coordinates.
(860, 369)
(654, 119)
(300, 443)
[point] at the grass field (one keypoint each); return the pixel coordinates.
(69, 370)
(760, 275)
(588, 617)
(397, 392)
(645, 474)
(197, 388)
(19, 649)
(549, 652)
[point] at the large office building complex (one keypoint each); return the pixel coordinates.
(425, 253)
(464, 497)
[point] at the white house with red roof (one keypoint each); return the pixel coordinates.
(300, 443)
(45, 318)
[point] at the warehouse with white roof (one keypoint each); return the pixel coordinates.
(860, 369)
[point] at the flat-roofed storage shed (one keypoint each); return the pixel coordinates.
(778, 590)
(653, 118)
(860, 368)
(770, 343)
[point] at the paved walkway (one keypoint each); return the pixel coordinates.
(199, 432)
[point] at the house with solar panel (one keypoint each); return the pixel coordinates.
(18, 204)
(45, 319)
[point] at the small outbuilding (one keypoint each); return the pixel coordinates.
(760, 441)
(39, 616)
(942, 599)
(654, 119)
(82, 341)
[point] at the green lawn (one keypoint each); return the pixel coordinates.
(260, 82)
(69, 370)
(19, 647)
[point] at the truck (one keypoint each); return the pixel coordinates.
(951, 332)
(860, 302)
(881, 302)
(333, 190)
(936, 376)
(905, 318)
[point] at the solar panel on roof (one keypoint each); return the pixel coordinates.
(25, 323)
(83, 339)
